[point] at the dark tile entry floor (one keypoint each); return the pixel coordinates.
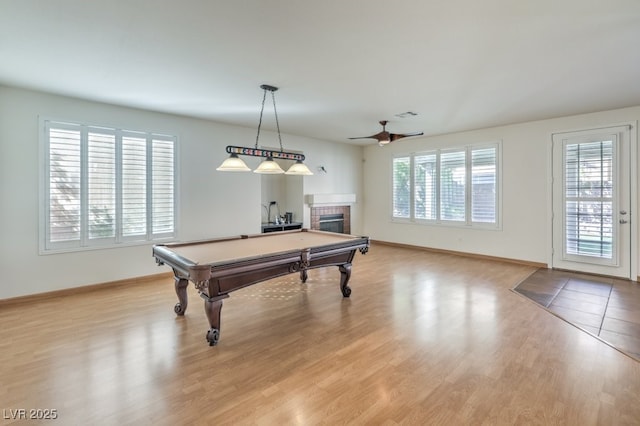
(608, 308)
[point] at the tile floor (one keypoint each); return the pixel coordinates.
(605, 307)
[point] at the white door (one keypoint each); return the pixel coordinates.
(592, 201)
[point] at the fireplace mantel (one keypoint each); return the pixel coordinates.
(330, 199)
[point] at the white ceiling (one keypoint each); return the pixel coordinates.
(341, 65)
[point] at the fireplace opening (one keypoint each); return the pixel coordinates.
(340, 217)
(332, 223)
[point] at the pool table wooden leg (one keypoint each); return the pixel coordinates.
(304, 275)
(345, 274)
(181, 285)
(212, 308)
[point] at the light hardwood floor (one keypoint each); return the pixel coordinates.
(426, 338)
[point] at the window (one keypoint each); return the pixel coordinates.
(589, 198)
(105, 186)
(401, 187)
(454, 186)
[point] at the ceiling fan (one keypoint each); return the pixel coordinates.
(385, 137)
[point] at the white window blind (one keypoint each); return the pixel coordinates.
(483, 185)
(425, 194)
(401, 187)
(101, 196)
(64, 185)
(134, 186)
(589, 198)
(163, 194)
(454, 186)
(106, 186)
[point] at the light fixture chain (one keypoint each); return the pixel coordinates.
(264, 97)
(273, 96)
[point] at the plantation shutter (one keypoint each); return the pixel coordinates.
(163, 187)
(589, 198)
(134, 186)
(483, 185)
(452, 185)
(64, 158)
(401, 187)
(425, 188)
(101, 185)
(106, 186)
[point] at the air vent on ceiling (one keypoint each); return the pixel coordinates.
(406, 114)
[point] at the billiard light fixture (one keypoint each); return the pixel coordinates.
(269, 166)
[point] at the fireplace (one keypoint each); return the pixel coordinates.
(331, 218)
(332, 223)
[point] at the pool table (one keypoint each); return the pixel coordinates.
(219, 266)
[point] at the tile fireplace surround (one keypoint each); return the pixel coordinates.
(316, 212)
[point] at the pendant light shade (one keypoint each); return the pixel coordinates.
(299, 168)
(235, 164)
(269, 167)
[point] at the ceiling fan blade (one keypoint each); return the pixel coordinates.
(377, 136)
(366, 137)
(396, 136)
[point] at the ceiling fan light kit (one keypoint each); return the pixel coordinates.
(269, 166)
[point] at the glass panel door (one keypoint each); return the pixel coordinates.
(591, 202)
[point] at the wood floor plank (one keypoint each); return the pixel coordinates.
(425, 338)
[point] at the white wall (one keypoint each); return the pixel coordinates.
(211, 203)
(216, 204)
(526, 231)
